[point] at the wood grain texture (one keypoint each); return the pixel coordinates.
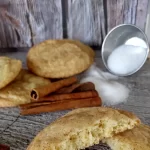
(14, 29)
(126, 11)
(25, 23)
(18, 131)
(141, 15)
(89, 21)
(45, 19)
(86, 21)
(28, 22)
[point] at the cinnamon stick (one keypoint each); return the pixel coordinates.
(77, 87)
(60, 97)
(34, 104)
(68, 89)
(85, 87)
(52, 87)
(65, 105)
(80, 95)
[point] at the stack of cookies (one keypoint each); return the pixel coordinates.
(51, 59)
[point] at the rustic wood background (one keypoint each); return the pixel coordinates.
(24, 23)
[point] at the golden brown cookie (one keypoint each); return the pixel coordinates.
(59, 58)
(136, 139)
(9, 69)
(82, 128)
(18, 92)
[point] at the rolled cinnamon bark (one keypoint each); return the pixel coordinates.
(52, 87)
(34, 104)
(79, 95)
(64, 105)
(60, 97)
(77, 87)
(85, 87)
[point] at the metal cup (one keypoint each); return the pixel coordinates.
(117, 37)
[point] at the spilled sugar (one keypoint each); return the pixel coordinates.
(110, 91)
(128, 57)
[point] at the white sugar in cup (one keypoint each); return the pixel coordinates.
(135, 41)
(126, 58)
(125, 50)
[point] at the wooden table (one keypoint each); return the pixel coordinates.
(18, 131)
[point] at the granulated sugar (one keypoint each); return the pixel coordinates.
(127, 58)
(135, 41)
(106, 85)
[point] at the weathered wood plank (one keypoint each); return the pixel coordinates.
(142, 112)
(89, 21)
(19, 134)
(126, 11)
(114, 10)
(14, 29)
(45, 19)
(141, 15)
(86, 21)
(27, 22)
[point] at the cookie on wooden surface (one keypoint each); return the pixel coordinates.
(9, 69)
(59, 58)
(136, 139)
(82, 128)
(18, 92)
